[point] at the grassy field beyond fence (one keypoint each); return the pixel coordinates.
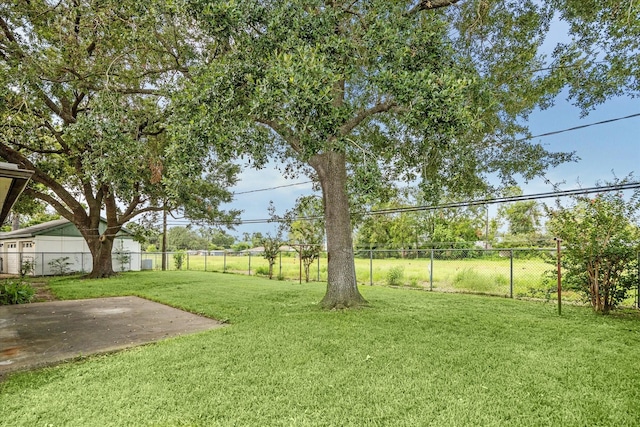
(409, 359)
(521, 274)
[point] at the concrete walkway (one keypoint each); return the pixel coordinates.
(40, 334)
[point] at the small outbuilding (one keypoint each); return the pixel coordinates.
(57, 247)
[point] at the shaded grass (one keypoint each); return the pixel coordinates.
(410, 359)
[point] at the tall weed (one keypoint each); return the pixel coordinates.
(15, 292)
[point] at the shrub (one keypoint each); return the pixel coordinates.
(178, 259)
(123, 257)
(26, 267)
(601, 240)
(15, 292)
(395, 276)
(60, 266)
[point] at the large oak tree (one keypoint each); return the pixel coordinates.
(82, 105)
(362, 93)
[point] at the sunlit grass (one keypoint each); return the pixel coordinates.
(489, 275)
(410, 359)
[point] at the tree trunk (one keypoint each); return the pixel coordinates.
(15, 222)
(272, 261)
(342, 289)
(101, 248)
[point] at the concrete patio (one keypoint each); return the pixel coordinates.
(41, 334)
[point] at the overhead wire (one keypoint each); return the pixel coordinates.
(272, 188)
(478, 202)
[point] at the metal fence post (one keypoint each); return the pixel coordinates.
(431, 272)
(249, 263)
(559, 265)
(511, 276)
(370, 267)
(224, 261)
(318, 266)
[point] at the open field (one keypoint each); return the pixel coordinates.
(485, 275)
(410, 359)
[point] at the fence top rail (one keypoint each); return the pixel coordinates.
(457, 249)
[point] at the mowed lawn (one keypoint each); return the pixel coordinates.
(412, 358)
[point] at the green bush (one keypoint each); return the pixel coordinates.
(600, 239)
(262, 271)
(178, 259)
(26, 267)
(15, 292)
(395, 276)
(60, 266)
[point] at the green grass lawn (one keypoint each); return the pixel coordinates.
(412, 358)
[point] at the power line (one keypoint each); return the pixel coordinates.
(479, 202)
(273, 188)
(580, 127)
(509, 199)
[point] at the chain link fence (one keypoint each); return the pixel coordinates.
(509, 273)
(512, 273)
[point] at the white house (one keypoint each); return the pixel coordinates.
(57, 246)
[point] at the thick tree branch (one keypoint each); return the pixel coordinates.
(7, 31)
(346, 128)
(100, 195)
(37, 150)
(432, 4)
(132, 206)
(79, 98)
(338, 93)
(58, 136)
(111, 209)
(125, 218)
(87, 188)
(284, 132)
(47, 198)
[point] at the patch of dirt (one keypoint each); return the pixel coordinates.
(43, 292)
